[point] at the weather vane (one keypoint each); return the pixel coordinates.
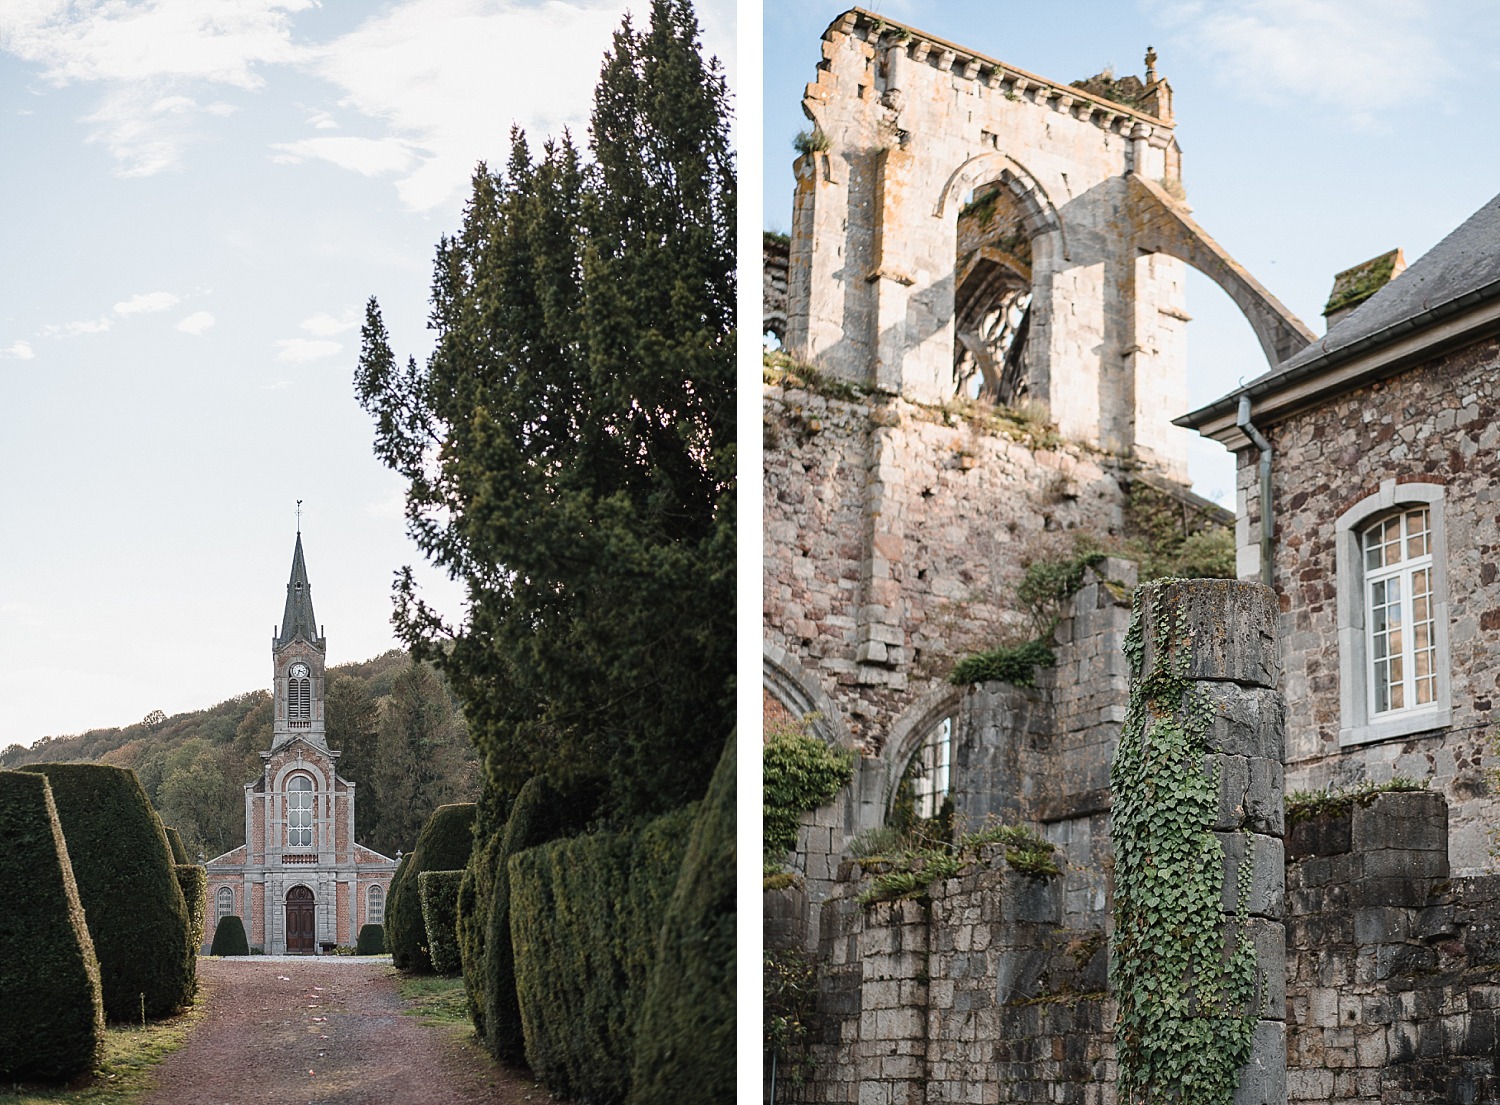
(299, 517)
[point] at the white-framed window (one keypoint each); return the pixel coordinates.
(933, 760)
(224, 902)
(375, 911)
(1393, 614)
(299, 812)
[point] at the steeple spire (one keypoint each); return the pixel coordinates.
(298, 617)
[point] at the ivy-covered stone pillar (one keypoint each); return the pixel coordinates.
(1199, 962)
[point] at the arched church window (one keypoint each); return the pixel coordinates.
(375, 913)
(299, 812)
(224, 902)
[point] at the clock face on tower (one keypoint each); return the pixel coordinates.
(299, 670)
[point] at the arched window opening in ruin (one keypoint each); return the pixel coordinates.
(925, 783)
(992, 299)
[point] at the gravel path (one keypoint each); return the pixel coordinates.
(324, 1031)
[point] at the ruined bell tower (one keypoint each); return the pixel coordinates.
(964, 227)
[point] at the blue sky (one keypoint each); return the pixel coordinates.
(1315, 133)
(199, 198)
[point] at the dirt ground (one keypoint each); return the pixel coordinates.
(325, 1031)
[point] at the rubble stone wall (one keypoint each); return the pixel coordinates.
(894, 535)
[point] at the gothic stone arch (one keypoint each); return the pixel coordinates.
(908, 123)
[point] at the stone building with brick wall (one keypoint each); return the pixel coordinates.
(1384, 490)
(300, 882)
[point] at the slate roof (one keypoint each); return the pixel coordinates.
(1457, 273)
(298, 617)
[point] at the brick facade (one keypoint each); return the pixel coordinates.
(273, 861)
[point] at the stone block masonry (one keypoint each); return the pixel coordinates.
(1393, 986)
(895, 535)
(974, 995)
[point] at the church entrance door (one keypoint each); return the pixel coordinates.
(300, 937)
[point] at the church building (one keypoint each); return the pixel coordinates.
(299, 882)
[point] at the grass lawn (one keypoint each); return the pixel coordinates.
(131, 1052)
(434, 999)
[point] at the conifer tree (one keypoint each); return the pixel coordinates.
(569, 445)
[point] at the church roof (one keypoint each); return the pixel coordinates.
(298, 619)
(1445, 298)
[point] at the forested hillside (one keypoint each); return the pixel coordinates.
(401, 732)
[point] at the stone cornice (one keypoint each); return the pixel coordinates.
(971, 65)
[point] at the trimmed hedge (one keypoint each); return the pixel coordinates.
(192, 880)
(136, 913)
(394, 908)
(174, 842)
(538, 816)
(685, 1038)
(439, 893)
(51, 1015)
(443, 845)
(371, 940)
(229, 937)
(475, 892)
(586, 916)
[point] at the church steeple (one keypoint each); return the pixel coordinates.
(297, 656)
(298, 617)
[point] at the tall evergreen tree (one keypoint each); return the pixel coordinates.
(419, 764)
(569, 445)
(350, 724)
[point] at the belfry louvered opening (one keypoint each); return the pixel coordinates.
(299, 702)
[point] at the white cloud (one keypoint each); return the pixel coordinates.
(428, 71)
(147, 129)
(142, 304)
(321, 120)
(18, 351)
(103, 40)
(299, 350)
(197, 323)
(325, 325)
(1279, 50)
(144, 54)
(73, 329)
(366, 156)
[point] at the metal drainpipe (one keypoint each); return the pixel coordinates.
(1259, 440)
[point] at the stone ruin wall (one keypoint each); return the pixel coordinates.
(912, 125)
(1437, 425)
(894, 536)
(993, 993)
(906, 526)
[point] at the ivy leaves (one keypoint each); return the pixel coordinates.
(1185, 1022)
(800, 773)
